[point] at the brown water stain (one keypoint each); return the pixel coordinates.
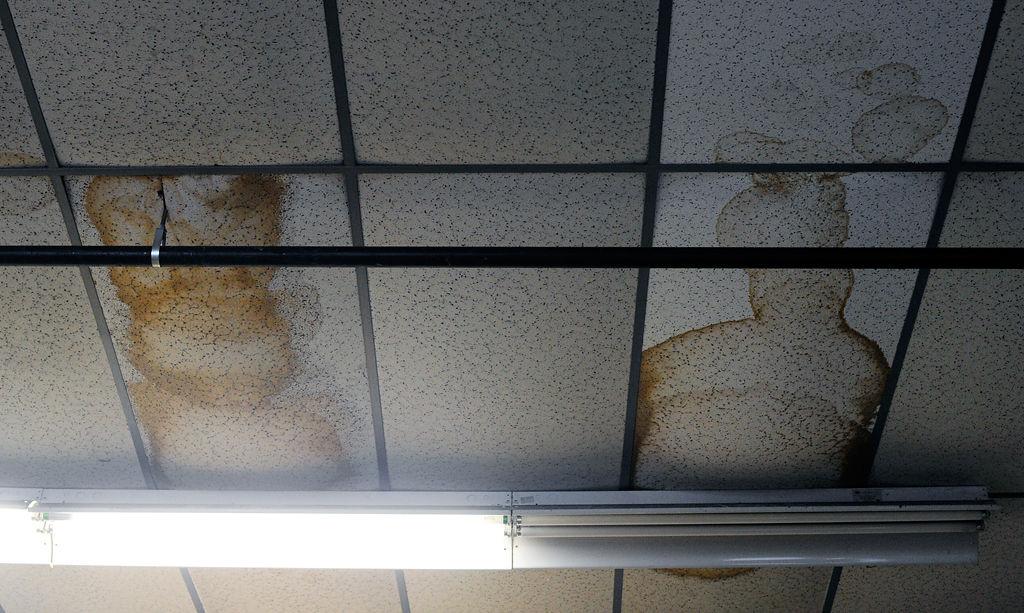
(21, 196)
(785, 395)
(888, 80)
(12, 158)
(710, 574)
(788, 394)
(210, 343)
(897, 129)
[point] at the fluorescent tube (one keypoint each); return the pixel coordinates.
(238, 529)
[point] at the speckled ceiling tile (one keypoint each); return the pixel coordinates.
(503, 379)
(998, 130)
(840, 81)
(770, 378)
(956, 417)
(193, 82)
(241, 378)
(92, 589)
(994, 585)
(759, 589)
(536, 81)
(61, 423)
(19, 145)
(253, 590)
(518, 591)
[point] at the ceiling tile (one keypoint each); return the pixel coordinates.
(92, 589)
(537, 81)
(182, 83)
(986, 211)
(767, 81)
(511, 378)
(995, 584)
(998, 130)
(227, 590)
(730, 399)
(708, 590)
(20, 145)
(62, 422)
(241, 378)
(552, 591)
(956, 415)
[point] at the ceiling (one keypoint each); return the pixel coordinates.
(538, 123)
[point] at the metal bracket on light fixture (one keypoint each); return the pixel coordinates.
(496, 530)
(159, 239)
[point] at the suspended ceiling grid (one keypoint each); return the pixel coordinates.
(543, 123)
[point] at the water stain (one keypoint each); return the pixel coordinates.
(11, 158)
(897, 129)
(709, 574)
(788, 394)
(211, 344)
(21, 198)
(888, 80)
(783, 395)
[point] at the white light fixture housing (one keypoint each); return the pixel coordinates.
(728, 529)
(492, 530)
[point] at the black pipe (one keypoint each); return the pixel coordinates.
(523, 257)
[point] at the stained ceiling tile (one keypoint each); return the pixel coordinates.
(62, 424)
(241, 378)
(956, 414)
(537, 81)
(184, 82)
(92, 589)
(755, 379)
(996, 583)
(20, 146)
(552, 591)
(998, 129)
(709, 590)
(512, 378)
(846, 81)
(227, 590)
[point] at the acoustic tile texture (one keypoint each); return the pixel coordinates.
(771, 378)
(994, 585)
(540, 591)
(877, 80)
(255, 590)
(470, 82)
(61, 421)
(510, 378)
(760, 589)
(19, 145)
(998, 130)
(92, 589)
(956, 415)
(192, 82)
(242, 378)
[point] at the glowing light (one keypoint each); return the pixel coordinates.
(255, 539)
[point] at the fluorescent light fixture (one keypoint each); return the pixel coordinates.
(258, 529)
(491, 530)
(723, 529)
